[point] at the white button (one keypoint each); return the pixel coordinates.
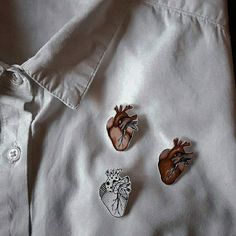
(16, 79)
(14, 154)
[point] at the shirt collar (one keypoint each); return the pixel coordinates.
(67, 64)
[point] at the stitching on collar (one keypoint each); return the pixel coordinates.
(185, 13)
(43, 85)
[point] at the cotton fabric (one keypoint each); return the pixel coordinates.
(171, 60)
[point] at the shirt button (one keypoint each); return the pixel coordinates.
(16, 80)
(14, 154)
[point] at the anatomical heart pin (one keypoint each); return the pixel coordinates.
(121, 127)
(172, 162)
(114, 192)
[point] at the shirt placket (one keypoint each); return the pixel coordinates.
(15, 120)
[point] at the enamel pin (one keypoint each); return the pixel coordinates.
(114, 193)
(172, 162)
(121, 128)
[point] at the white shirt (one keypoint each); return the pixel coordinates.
(171, 60)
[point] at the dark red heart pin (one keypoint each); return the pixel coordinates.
(172, 162)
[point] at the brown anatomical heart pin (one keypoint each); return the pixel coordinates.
(172, 162)
(121, 128)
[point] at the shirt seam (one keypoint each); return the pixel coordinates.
(91, 77)
(2, 130)
(185, 13)
(43, 85)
